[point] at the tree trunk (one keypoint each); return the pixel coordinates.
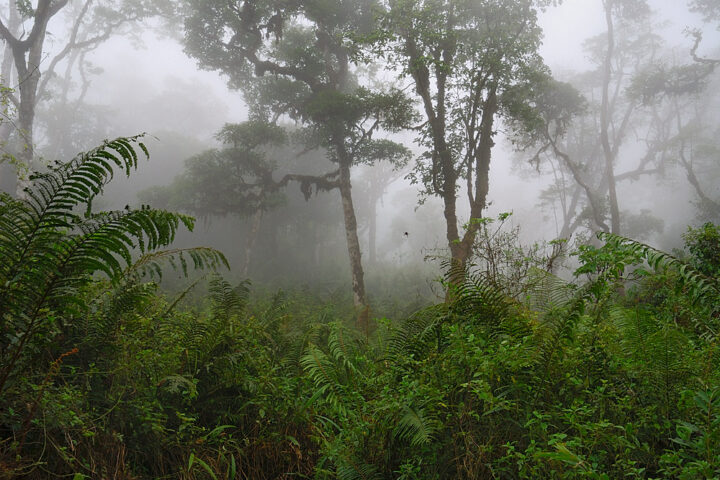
(8, 175)
(29, 78)
(372, 231)
(353, 244)
(250, 242)
(605, 123)
(483, 155)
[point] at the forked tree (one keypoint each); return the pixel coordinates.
(467, 60)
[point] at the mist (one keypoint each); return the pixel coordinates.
(359, 239)
(141, 79)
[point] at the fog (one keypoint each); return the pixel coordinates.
(146, 79)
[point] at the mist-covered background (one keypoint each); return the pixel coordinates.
(116, 69)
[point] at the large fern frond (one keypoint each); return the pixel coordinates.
(546, 291)
(50, 249)
(53, 197)
(180, 259)
(44, 241)
(420, 333)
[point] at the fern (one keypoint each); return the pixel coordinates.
(50, 250)
(151, 264)
(659, 353)
(701, 288)
(546, 291)
(479, 300)
(354, 470)
(420, 333)
(338, 373)
(326, 377)
(417, 426)
(228, 301)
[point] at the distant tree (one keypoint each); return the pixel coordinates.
(586, 125)
(296, 60)
(464, 59)
(235, 180)
(391, 164)
(696, 145)
(555, 106)
(88, 24)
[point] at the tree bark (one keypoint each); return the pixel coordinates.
(483, 155)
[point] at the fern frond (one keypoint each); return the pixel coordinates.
(340, 346)
(356, 470)
(546, 291)
(324, 374)
(700, 287)
(417, 426)
(202, 258)
(420, 333)
(227, 300)
(50, 251)
(53, 197)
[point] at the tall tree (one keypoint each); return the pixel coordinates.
(27, 54)
(464, 58)
(296, 59)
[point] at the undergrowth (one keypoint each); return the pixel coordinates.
(612, 375)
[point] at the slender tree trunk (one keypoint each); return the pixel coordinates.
(353, 244)
(372, 231)
(29, 78)
(577, 176)
(570, 220)
(605, 122)
(251, 240)
(8, 176)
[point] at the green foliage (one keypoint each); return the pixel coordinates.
(515, 376)
(51, 298)
(703, 243)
